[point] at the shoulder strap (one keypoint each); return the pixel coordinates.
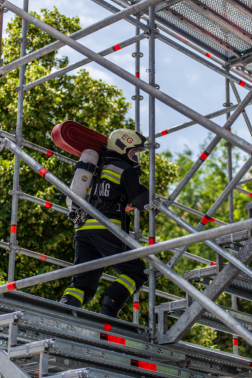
(87, 166)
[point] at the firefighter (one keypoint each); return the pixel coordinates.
(116, 186)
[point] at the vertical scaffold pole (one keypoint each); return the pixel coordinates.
(14, 212)
(231, 202)
(1, 33)
(229, 155)
(244, 113)
(137, 128)
(152, 274)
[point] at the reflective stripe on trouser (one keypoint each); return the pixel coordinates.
(77, 293)
(94, 224)
(127, 282)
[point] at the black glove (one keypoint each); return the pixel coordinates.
(72, 215)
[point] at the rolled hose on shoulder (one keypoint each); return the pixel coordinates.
(74, 138)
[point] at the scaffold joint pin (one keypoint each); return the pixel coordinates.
(21, 40)
(3, 141)
(137, 55)
(2, 2)
(151, 145)
(19, 89)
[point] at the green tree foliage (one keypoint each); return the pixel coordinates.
(200, 193)
(90, 102)
(77, 97)
(103, 108)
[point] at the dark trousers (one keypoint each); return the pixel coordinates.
(92, 245)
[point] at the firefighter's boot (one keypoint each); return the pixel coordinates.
(117, 295)
(110, 307)
(73, 297)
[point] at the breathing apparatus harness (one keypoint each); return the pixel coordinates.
(114, 207)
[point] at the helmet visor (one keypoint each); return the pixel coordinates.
(133, 154)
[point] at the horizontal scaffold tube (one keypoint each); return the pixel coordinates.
(220, 200)
(142, 238)
(202, 158)
(180, 48)
(186, 254)
(139, 251)
(210, 243)
(83, 62)
(246, 192)
(35, 147)
(192, 211)
(238, 99)
(77, 35)
(53, 260)
(230, 137)
(246, 181)
(40, 201)
(203, 61)
(191, 123)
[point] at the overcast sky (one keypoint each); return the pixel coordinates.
(178, 75)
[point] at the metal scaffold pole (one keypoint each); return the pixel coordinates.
(1, 33)
(152, 226)
(181, 108)
(245, 116)
(231, 201)
(82, 333)
(229, 155)
(137, 98)
(14, 211)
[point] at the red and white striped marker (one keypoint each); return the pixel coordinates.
(13, 229)
(116, 47)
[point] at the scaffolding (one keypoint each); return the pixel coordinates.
(46, 337)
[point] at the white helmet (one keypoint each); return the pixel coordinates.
(126, 142)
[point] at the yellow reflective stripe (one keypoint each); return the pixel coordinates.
(129, 279)
(127, 282)
(91, 228)
(96, 221)
(77, 296)
(112, 173)
(125, 285)
(77, 290)
(116, 181)
(93, 224)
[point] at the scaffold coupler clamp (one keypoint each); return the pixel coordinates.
(19, 89)
(152, 269)
(151, 145)
(3, 141)
(136, 235)
(153, 205)
(2, 2)
(155, 30)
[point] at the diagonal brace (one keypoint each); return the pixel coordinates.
(210, 243)
(230, 137)
(214, 142)
(79, 34)
(122, 235)
(213, 291)
(214, 208)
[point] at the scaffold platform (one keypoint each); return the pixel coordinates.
(40, 336)
(79, 340)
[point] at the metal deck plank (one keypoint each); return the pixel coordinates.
(200, 31)
(221, 20)
(114, 359)
(18, 300)
(243, 8)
